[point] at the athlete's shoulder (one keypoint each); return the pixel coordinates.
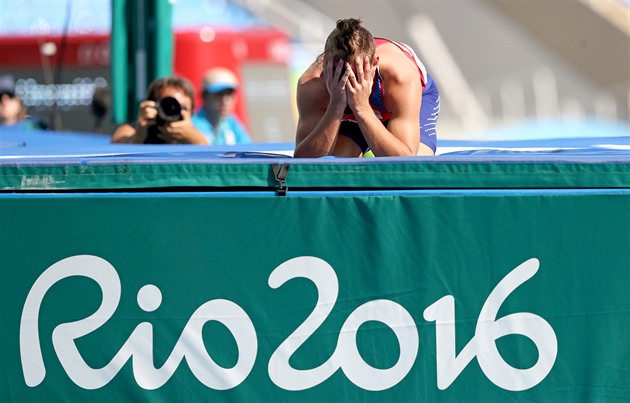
(311, 88)
(395, 66)
(390, 49)
(312, 72)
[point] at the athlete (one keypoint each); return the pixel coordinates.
(365, 94)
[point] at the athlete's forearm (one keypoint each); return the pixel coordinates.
(320, 142)
(381, 141)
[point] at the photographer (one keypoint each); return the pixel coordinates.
(164, 117)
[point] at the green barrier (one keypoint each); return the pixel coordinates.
(202, 297)
(363, 174)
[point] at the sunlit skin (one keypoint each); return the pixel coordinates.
(324, 93)
(10, 109)
(178, 132)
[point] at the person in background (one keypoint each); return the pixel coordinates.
(365, 95)
(12, 110)
(216, 118)
(100, 107)
(164, 117)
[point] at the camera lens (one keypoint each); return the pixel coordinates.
(169, 109)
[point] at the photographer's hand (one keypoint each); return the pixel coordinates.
(137, 134)
(182, 132)
(147, 115)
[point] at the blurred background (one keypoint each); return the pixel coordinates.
(505, 69)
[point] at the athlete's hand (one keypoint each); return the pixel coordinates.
(336, 78)
(359, 86)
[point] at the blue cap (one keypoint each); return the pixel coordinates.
(218, 87)
(219, 79)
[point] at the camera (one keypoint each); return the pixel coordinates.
(169, 110)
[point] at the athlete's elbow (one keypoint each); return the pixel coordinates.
(305, 152)
(297, 153)
(399, 152)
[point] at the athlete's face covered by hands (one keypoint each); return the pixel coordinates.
(351, 82)
(336, 74)
(360, 81)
